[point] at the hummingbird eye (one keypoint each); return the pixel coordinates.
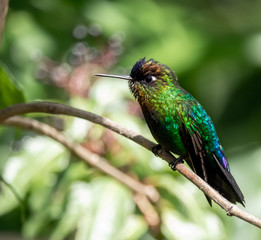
(150, 78)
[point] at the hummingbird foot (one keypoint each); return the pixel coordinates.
(156, 149)
(173, 163)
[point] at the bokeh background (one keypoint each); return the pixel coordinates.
(50, 50)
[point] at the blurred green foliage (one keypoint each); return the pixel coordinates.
(10, 93)
(52, 48)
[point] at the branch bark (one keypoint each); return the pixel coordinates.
(3, 12)
(56, 108)
(89, 157)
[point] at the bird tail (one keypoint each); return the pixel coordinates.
(218, 178)
(208, 167)
(224, 182)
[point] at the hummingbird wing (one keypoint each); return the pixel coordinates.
(195, 149)
(196, 158)
(198, 134)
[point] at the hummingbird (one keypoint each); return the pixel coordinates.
(181, 125)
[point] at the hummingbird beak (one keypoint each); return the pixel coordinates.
(113, 76)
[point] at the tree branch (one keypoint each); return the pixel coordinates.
(150, 214)
(3, 12)
(56, 108)
(89, 157)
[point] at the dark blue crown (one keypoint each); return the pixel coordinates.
(136, 72)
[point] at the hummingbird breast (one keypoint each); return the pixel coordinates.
(161, 115)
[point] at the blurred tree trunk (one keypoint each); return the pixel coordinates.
(3, 12)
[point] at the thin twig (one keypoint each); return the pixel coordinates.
(56, 108)
(3, 12)
(143, 191)
(90, 158)
(150, 214)
(17, 196)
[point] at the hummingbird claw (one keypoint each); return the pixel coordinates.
(173, 163)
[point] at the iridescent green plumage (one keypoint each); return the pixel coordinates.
(181, 125)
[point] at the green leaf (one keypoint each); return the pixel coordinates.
(9, 92)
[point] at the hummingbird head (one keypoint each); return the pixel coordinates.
(150, 70)
(148, 78)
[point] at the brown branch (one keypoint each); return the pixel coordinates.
(141, 192)
(150, 214)
(90, 158)
(3, 12)
(56, 108)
